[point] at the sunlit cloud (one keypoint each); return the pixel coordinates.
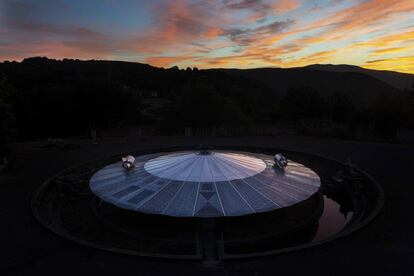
(377, 34)
(405, 37)
(390, 50)
(402, 64)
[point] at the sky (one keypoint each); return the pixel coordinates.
(375, 34)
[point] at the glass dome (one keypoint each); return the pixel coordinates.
(216, 184)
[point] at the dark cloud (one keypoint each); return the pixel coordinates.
(317, 5)
(31, 18)
(31, 10)
(257, 5)
(27, 22)
(257, 8)
(375, 61)
(248, 35)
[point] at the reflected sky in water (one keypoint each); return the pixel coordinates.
(332, 220)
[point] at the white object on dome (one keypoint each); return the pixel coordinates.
(280, 160)
(128, 162)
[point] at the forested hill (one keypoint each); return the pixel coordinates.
(362, 89)
(396, 79)
(64, 97)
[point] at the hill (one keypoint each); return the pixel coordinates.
(396, 79)
(362, 89)
(57, 98)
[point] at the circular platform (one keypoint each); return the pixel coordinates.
(214, 184)
(66, 205)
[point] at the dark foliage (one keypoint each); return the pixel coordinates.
(301, 103)
(6, 115)
(407, 112)
(200, 104)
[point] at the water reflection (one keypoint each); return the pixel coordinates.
(304, 223)
(334, 218)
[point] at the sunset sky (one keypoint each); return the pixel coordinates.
(377, 34)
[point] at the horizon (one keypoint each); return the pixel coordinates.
(244, 34)
(211, 68)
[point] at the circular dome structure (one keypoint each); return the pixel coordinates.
(205, 184)
(82, 204)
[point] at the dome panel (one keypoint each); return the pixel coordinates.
(197, 167)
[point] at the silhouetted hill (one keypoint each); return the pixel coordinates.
(396, 79)
(362, 89)
(57, 98)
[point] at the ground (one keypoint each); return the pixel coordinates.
(384, 247)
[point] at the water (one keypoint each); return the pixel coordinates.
(332, 220)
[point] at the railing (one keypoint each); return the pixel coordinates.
(235, 131)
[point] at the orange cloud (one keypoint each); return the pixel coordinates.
(387, 40)
(363, 14)
(318, 57)
(178, 26)
(401, 64)
(166, 61)
(59, 50)
(283, 6)
(390, 50)
(213, 32)
(348, 23)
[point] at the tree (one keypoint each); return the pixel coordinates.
(302, 103)
(408, 107)
(201, 105)
(6, 115)
(341, 108)
(387, 117)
